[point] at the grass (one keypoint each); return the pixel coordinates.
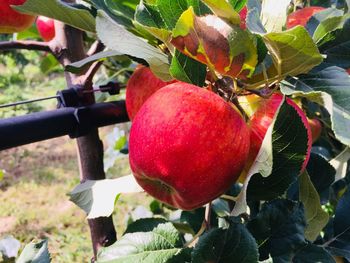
(34, 203)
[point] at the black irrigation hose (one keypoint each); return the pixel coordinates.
(71, 121)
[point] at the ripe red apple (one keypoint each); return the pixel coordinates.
(316, 128)
(302, 16)
(12, 21)
(187, 145)
(348, 70)
(243, 16)
(46, 27)
(262, 119)
(141, 85)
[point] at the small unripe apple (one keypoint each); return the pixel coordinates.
(243, 16)
(316, 128)
(262, 119)
(302, 16)
(46, 27)
(12, 21)
(141, 85)
(187, 145)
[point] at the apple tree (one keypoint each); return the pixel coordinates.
(240, 125)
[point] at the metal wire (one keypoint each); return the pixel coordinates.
(27, 101)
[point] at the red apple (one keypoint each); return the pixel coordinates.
(141, 85)
(316, 128)
(12, 21)
(302, 16)
(187, 145)
(46, 27)
(243, 16)
(262, 119)
(348, 71)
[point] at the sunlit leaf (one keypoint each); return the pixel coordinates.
(79, 18)
(162, 244)
(315, 217)
(117, 38)
(36, 252)
(224, 10)
(274, 14)
(97, 197)
(187, 69)
(208, 39)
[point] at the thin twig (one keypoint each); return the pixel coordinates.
(26, 44)
(207, 215)
(87, 78)
(96, 47)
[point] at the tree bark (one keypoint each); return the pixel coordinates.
(68, 47)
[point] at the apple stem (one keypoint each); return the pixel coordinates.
(195, 238)
(207, 216)
(239, 107)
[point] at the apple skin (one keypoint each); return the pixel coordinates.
(243, 16)
(187, 145)
(262, 119)
(302, 16)
(141, 85)
(46, 27)
(316, 129)
(12, 21)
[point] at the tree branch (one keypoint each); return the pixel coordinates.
(96, 47)
(27, 44)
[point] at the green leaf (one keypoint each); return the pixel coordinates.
(327, 30)
(144, 225)
(49, 63)
(274, 14)
(293, 51)
(35, 252)
(78, 66)
(340, 164)
(321, 174)
(229, 50)
(278, 162)
(117, 38)
(253, 20)
(312, 253)
(316, 218)
(116, 10)
(224, 10)
(31, 32)
(339, 55)
(287, 157)
(341, 238)
(9, 247)
(279, 229)
(171, 10)
(238, 4)
(234, 244)
(329, 87)
(317, 18)
(2, 173)
(97, 197)
(187, 69)
(149, 17)
(162, 244)
(79, 18)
